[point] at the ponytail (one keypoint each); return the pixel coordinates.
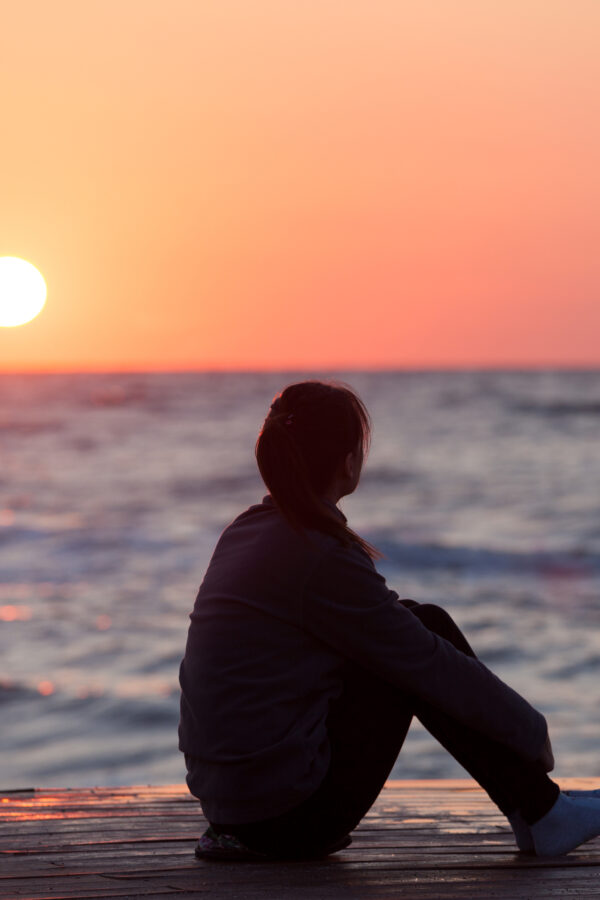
(309, 430)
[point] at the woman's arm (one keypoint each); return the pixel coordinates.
(349, 606)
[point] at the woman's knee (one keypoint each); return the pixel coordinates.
(436, 619)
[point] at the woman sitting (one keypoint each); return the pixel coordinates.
(303, 670)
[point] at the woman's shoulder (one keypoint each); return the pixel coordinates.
(262, 530)
(259, 516)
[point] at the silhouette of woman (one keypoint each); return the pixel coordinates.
(303, 670)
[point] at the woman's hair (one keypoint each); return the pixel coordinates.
(310, 428)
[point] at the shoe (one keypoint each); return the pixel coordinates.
(340, 844)
(227, 847)
(224, 846)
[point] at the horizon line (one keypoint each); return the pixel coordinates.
(241, 370)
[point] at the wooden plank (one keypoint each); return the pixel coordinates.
(307, 881)
(422, 839)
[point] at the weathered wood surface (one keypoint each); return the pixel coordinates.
(423, 839)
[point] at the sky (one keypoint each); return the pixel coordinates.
(297, 184)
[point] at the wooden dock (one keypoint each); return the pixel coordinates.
(423, 839)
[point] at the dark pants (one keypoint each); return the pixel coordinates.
(367, 727)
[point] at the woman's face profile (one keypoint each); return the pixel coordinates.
(352, 469)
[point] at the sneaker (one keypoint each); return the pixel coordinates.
(223, 846)
(226, 846)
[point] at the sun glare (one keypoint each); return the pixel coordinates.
(22, 291)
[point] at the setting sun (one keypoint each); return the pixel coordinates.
(22, 291)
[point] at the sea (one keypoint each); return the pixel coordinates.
(482, 489)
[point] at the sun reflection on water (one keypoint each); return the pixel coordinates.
(10, 613)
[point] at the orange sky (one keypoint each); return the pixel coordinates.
(303, 183)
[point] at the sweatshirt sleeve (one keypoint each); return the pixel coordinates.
(349, 607)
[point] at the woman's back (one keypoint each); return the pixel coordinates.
(256, 685)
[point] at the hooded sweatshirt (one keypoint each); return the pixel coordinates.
(277, 618)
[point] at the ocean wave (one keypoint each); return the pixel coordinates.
(97, 739)
(585, 663)
(558, 408)
(212, 485)
(389, 475)
(484, 560)
(146, 700)
(29, 427)
(118, 394)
